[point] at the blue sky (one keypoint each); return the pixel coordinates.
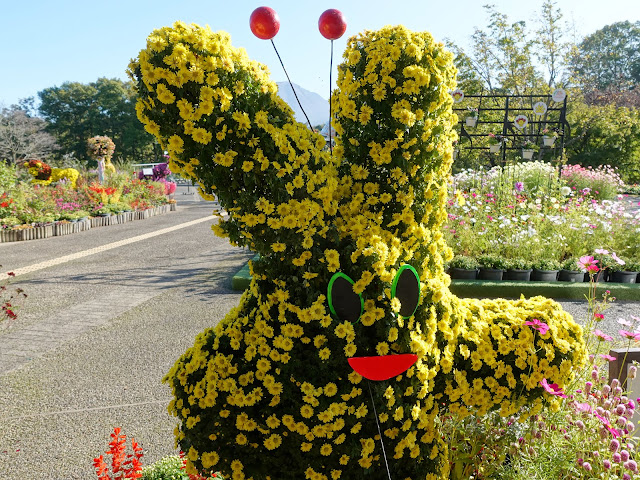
(45, 44)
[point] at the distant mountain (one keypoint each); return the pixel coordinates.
(316, 107)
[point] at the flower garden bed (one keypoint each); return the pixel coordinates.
(65, 227)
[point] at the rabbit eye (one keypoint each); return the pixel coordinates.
(406, 288)
(344, 303)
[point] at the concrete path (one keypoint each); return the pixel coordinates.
(101, 328)
(99, 331)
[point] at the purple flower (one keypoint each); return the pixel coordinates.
(614, 445)
(624, 455)
(587, 466)
(519, 186)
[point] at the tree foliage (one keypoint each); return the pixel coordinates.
(609, 59)
(77, 111)
(605, 135)
(23, 136)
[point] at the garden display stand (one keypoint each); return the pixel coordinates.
(508, 107)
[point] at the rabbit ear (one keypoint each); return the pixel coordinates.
(395, 131)
(218, 115)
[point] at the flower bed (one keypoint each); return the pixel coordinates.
(524, 213)
(64, 227)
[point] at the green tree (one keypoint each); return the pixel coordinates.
(609, 59)
(77, 111)
(551, 48)
(605, 135)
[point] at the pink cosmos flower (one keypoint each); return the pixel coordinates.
(617, 259)
(538, 325)
(602, 335)
(552, 389)
(601, 251)
(630, 335)
(607, 357)
(588, 264)
(608, 426)
(624, 322)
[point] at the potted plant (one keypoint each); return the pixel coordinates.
(463, 267)
(626, 272)
(549, 137)
(570, 272)
(528, 149)
(545, 270)
(495, 143)
(492, 267)
(518, 269)
(472, 117)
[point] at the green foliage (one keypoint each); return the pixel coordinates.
(546, 264)
(571, 264)
(605, 135)
(609, 58)
(8, 176)
(168, 468)
(518, 264)
(77, 111)
(493, 261)
(461, 261)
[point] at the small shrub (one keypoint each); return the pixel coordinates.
(168, 468)
(467, 263)
(571, 264)
(492, 261)
(518, 264)
(546, 264)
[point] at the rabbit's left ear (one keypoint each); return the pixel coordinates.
(219, 116)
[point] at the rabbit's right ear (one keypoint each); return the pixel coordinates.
(223, 124)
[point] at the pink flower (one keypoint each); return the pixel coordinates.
(630, 335)
(607, 357)
(602, 335)
(601, 251)
(552, 389)
(608, 426)
(538, 325)
(617, 259)
(598, 316)
(588, 264)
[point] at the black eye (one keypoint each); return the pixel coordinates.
(406, 287)
(344, 303)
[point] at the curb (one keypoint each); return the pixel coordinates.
(505, 288)
(64, 227)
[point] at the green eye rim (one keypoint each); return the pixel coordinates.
(394, 286)
(330, 299)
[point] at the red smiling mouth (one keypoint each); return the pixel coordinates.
(382, 367)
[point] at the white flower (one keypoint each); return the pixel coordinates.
(565, 191)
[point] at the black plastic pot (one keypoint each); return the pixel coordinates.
(544, 275)
(490, 273)
(518, 275)
(623, 277)
(463, 273)
(600, 276)
(573, 276)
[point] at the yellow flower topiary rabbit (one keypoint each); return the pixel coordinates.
(350, 269)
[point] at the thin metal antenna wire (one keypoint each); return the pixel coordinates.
(330, 110)
(292, 89)
(384, 454)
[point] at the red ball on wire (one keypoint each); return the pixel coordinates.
(332, 24)
(264, 23)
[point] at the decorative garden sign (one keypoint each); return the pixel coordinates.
(351, 269)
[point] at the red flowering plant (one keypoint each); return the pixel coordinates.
(39, 169)
(9, 299)
(123, 467)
